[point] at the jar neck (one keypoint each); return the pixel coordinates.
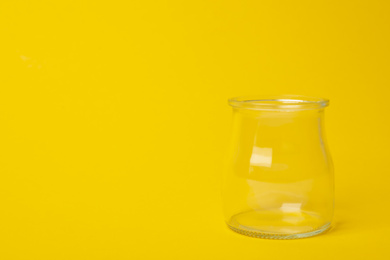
(281, 115)
(284, 125)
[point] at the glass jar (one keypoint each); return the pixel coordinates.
(279, 180)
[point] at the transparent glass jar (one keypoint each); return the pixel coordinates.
(279, 180)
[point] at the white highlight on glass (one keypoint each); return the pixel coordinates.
(291, 207)
(261, 156)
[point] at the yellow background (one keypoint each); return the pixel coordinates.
(114, 122)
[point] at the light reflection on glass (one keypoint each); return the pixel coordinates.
(261, 156)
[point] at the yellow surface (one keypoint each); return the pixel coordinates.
(114, 122)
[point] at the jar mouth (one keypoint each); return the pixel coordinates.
(277, 103)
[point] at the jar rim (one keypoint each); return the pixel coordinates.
(277, 103)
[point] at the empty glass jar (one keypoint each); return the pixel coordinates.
(279, 179)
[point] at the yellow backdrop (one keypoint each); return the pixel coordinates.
(114, 122)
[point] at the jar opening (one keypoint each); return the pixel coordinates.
(277, 103)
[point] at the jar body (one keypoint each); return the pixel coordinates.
(279, 180)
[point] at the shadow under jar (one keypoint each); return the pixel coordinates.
(279, 180)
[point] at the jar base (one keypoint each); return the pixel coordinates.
(276, 224)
